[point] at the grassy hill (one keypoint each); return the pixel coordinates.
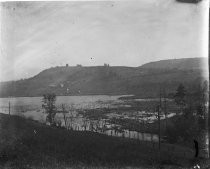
(144, 80)
(28, 144)
(181, 64)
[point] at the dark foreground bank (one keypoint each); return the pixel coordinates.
(28, 144)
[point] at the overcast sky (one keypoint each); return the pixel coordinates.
(39, 35)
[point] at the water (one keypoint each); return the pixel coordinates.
(30, 107)
(24, 104)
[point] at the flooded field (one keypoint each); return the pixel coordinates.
(101, 113)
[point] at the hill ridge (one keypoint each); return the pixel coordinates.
(113, 80)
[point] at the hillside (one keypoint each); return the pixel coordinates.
(144, 80)
(28, 144)
(181, 64)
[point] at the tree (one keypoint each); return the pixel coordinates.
(85, 124)
(70, 116)
(64, 111)
(49, 107)
(183, 128)
(180, 96)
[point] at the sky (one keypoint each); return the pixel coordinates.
(39, 35)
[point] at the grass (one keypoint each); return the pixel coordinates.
(28, 144)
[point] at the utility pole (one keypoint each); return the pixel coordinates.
(159, 112)
(165, 112)
(159, 124)
(9, 107)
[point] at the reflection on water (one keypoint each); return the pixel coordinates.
(134, 135)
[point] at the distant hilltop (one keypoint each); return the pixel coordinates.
(144, 80)
(189, 1)
(181, 64)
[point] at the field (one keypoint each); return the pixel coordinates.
(28, 144)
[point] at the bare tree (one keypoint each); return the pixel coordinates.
(70, 116)
(49, 107)
(64, 112)
(91, 125)
(85, 123)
